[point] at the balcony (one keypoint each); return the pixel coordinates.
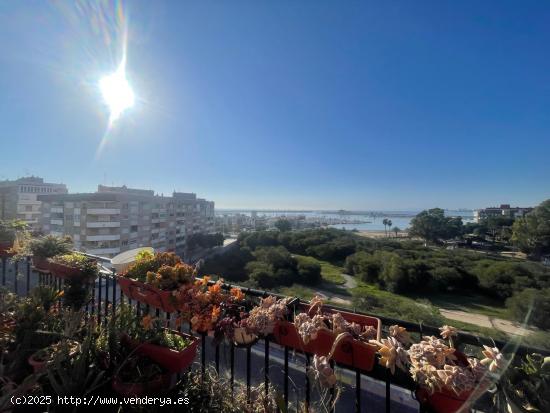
(102, 224)
(103, 251)
(266, 362)
(103, 211)
(56, 210)
(56, 222)
(106, 237)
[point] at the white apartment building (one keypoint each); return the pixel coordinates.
(19, 198)
(116, 219)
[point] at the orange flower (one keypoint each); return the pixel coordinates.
(205, 280)
(215, 312)
(215, 289)
(237, 294)
(146, 322)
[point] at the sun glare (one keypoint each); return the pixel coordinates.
(117, 92)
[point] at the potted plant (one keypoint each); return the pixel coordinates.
(9, 232)
(40, 359)
(446, 378)
(154, 279)
(45, 247)
(234, 324)
(172, 350)
(525, 387)
(139, 376)
(315, 330)
(73, 265)
(263, 318)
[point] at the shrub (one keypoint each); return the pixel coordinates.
(531, 306)
(309, 272)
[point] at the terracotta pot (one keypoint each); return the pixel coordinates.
(444, 401)
(147, 294)
(129, 389)
(171, 360)
(38, 366)
(41, 264)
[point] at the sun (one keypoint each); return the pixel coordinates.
(117, 92)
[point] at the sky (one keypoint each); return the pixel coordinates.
(287, 105)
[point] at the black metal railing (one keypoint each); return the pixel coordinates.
(265, 362)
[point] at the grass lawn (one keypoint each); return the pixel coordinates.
(330, 273)
(468, 302)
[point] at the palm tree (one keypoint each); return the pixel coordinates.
(385, 222)
(396, 230)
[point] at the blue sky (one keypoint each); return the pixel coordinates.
(287, 104)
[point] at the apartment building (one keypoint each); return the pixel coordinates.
(116, 219)
(504, 210)
(19, 198)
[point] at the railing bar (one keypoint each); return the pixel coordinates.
(232, 355)
(113, 305)
(3, 270)
(248, 368)
(106, 309)
(308, 390)
(266, 367)
(15, 283)
(28, 275)
(357, 391)
(332, 389)
(286, 378)
(93, 298)
(203, 353)
(217, 358)
(99, 298)
(388, 392)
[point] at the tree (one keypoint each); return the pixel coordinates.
(532, 232)
(396, 230)
(432, 225)
(385, 222)
(389, 226)
(283, 225)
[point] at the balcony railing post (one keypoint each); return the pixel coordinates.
(388, 391)
(99, 298)
(308, 390)
(3, 271)
(357, 391)
(28, 275)
(285, 390)
(15, 283)
(113, 305)
(266, 367)
(248, 367)
(106, 308)
(203, 353)
(232, 361)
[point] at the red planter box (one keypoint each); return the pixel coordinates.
(147, 294)
(64, 271)
(351, 352)
(160, 383)
(4, 247)
(41, 264)
(171, 360)
(444, 401)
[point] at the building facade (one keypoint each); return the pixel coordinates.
(504, 210)
(19, 198)
(117, 219)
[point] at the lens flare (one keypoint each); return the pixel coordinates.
(117, 92)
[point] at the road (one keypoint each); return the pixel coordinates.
(482, 320)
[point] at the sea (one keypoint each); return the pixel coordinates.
(358, 220)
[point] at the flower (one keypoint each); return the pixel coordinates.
(494, 359)
(216, 310)
(146, 322)
(448, 331)
(237, 294)
(215, 288)
(392, 354)
(400, 334)
(205, 280)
